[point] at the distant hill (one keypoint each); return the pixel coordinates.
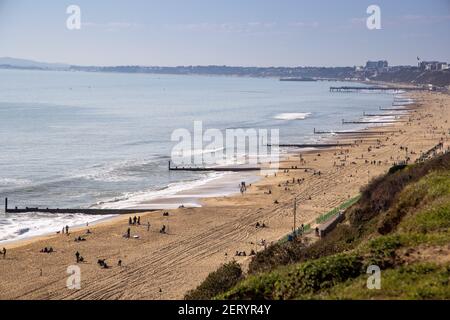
(13, 63)
(414, 75)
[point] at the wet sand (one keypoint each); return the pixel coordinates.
(165, 266)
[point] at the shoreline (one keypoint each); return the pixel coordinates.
(199, 199)
(157, 266)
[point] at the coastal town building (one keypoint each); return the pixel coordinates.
(433, 66)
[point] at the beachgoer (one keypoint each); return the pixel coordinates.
(139, 221)
(77, 255)
(130, 222)
(134, 220)
(128, 233)
(119, 263)
(4, 253)
(67, 229)
(148, 226)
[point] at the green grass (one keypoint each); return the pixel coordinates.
(217, 282)
(335, 211)
(306, 229)
(291, 281)
(414, 212)
(417, 281)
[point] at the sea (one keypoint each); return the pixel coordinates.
(103, 140)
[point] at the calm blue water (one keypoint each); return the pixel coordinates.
(72, 139)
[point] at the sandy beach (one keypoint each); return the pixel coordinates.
(166, 266)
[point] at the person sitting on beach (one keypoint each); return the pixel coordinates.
(165, 214)
(88, 231)
(258, 225)
(101, 262)
(163, 229)
(119, 263)
(50, 250)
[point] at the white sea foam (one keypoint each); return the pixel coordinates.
(293, 116)
(26, 225)
(11, 182)
(139, 199)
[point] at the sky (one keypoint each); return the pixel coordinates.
(225, 32)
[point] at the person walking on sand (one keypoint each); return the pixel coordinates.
(128, 233)
(130, 222)
(4, 253)
(139, 221)
(77, 255)
(148, 226)
(67, 229)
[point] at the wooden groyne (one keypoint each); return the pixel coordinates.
(371, 122)
(356, 89)
(94, 212)
(354, 132)
(379, 115)
(230, 169)
(397, 109)
(219, 169)
(313, 145)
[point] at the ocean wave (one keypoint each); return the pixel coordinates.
(136, 199)
(12, 182)
(292, 116)
(126, 170)
(25, 225)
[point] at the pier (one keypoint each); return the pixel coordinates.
(94, 212)
(356, 89)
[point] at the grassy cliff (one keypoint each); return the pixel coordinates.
(400, 224)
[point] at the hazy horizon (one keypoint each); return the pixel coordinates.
(234, 33)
